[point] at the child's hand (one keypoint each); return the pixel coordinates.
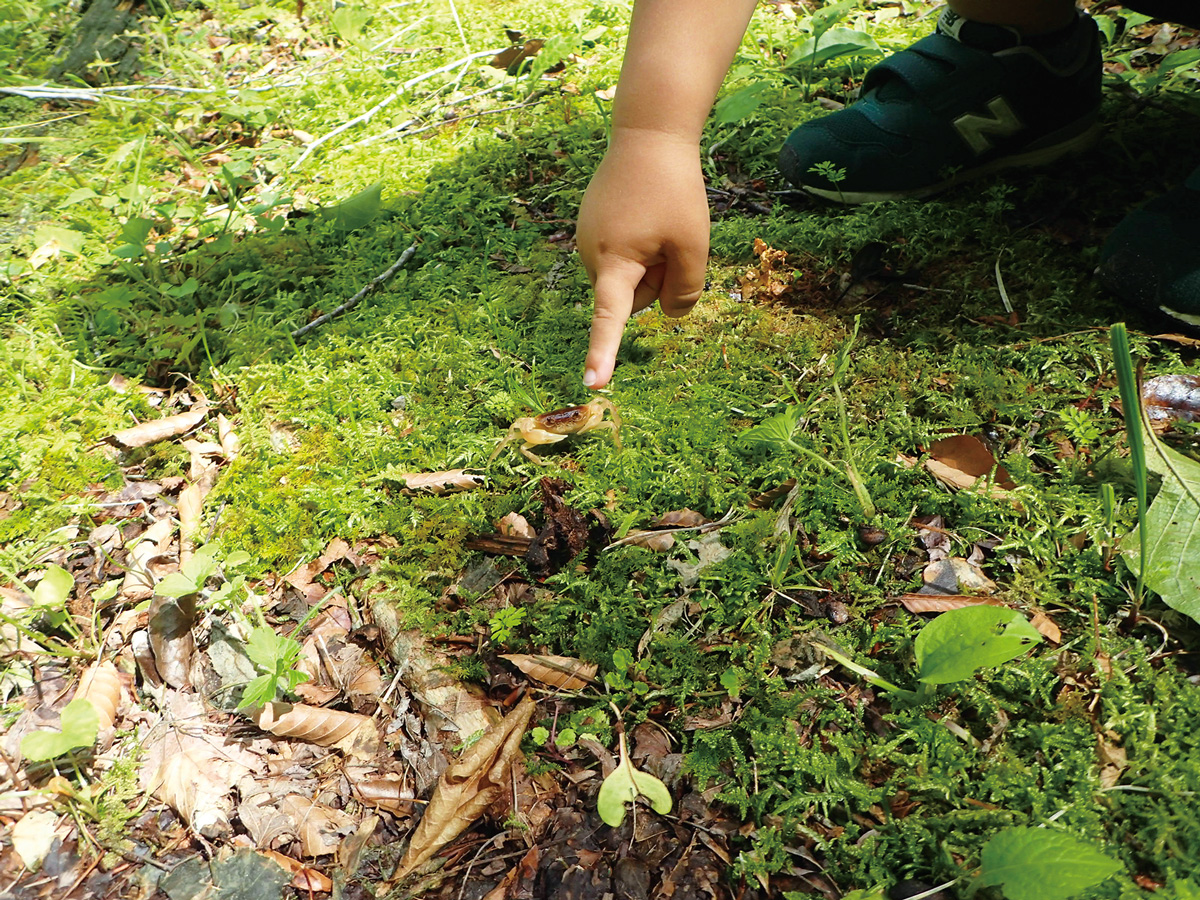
(642, 235)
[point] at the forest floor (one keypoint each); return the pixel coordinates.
(329, 644)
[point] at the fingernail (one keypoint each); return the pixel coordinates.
(589, 377)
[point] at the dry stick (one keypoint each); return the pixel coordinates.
(372, 285)
(486, 112)
(398, 130)
(386, 101)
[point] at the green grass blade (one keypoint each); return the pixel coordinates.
(1131, 407)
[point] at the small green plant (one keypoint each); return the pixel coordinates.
(275, 656)
(504, 622)
(831, 173)
(624, 785)
(1080, 426)
(1042, 864)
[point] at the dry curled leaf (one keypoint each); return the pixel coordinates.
(170, 628)
(439, 482)
(468, 788)
(934, 603)
(556, 671)
(100, 685)
(158, 429)
(515, 525)
(304, 878)
(319, 827)
(392, 793)
(1046, 627)
(658, 541)
(194, 774)
(353, 733)
(679, 518)
(960, 461)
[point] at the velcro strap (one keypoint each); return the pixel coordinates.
(925, 65)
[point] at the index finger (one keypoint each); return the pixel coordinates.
(614, 304)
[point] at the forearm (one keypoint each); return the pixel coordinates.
(676, 57)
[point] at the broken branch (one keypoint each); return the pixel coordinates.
(372, 285)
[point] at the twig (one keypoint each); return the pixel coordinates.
(486, 112)
(398, 129)
(372, 285)
(386, 101)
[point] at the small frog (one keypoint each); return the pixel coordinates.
(552, 427)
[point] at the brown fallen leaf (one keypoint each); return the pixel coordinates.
(392, 793)
(767, 499)
(170, 628)
(516, 54)
(679, 518)
(556, 671)
(350, 732)
(349, 854)
(304, 878)
(658, 541)
(955, 575)
(319, 827)
(1045, 625)
(158, 429)
(1171, 398)
(1182, 339)
(450, 482)
(960, 461)
(515, 525)
(468, 788)
(526, 870)
(100, 685)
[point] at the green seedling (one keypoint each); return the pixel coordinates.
(78, 728)
(624, 785)
(275, 656)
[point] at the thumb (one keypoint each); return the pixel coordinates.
(614, 303)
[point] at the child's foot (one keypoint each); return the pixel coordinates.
(1152, 258)
(963, 102)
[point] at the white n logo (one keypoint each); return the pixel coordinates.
(974, 128)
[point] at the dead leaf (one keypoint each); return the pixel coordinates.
(516, 54)
(525, 871)
(170, 628)
(556, 671)
(960, 461)
(100, 685)
(392, 793)
(319, 827)
(468, 788)
(349, 854)
(1171, 398)
(158, 429)
(304, 878)
(34, 835)
(231, 444)
(350, 732)
(709, 551)
(935, 603)
(145, 549)
(680, 518)
(450, 482)
(515, 525)
(1113, 759)
(771, 279)
(658, 541)
(1182, 339)
(955, 576)
(1045, 625)
(194, 770)
(767, 499)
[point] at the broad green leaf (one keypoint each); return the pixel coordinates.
(775, 432)
(833, 44)
(740, 104)
(236, 559)
(957, 643)
(54, 588)
(69, 240)
(1172, 530)
(266, 648)
(828, 16)
(79, 727)
(356, 211)
(1040, 864)
(624, 785)
(349, 21)
(175, 585)
(201, 565)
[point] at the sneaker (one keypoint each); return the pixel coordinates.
(1152, 258)
(966, 101)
